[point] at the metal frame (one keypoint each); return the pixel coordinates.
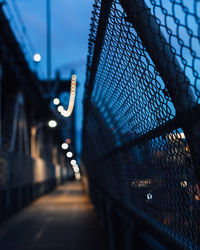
(103, 20)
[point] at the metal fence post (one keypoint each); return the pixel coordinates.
(103, 20)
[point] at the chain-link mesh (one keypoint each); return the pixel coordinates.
(141, 138)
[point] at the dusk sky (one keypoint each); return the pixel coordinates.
(70, 28)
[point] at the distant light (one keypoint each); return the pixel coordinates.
(64, 146)
(197, 197)
(60, 108)
(73, 162)
(69, 154)
(149, 196)
(183, 183)
(181, 135)
(68, 141)
(52, 124)
(56, 101)
(187, 149)
(64, 113)
(72, 96)
(176, 136)
(76, 168)
(77, 176)
(37, 57)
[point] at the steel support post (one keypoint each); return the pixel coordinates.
(103, 20)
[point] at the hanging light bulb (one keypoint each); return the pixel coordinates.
(69, 154)
(64, 145)
(60, 108)
(56, 101)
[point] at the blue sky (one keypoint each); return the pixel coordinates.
(70, 29)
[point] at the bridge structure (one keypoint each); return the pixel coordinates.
(32, 160)
(140, 162)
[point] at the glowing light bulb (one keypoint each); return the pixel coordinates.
(69, 154)
(52, 124)
(37, 57)
(64, 146)
(68, 141)
(56, 101)
(77, 176)
(73, 162)
(60, 108)
(76, 169)
(72, 97)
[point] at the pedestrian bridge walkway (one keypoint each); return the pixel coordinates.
(63, 219)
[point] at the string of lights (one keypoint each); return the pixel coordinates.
(56, 101)
(72, 96)
(67, 113)
(73, 162)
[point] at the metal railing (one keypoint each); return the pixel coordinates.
(141, 138)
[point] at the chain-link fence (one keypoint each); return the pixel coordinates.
(141, 138)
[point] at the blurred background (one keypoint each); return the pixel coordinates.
(58, 31)
(43, 51)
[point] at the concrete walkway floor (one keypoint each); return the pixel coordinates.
(63, 219)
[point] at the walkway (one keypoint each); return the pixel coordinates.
(61, 220)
